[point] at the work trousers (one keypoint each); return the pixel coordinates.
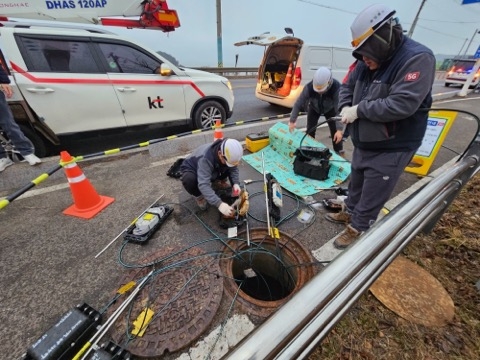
(312, 121)
(372, 180)
(190, 182)
(12, 130)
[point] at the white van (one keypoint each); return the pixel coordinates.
(284, 52)
(85, 80)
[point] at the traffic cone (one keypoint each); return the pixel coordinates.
(87, 202)
(287, 83)
(218, 133)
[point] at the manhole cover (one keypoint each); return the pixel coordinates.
(414, 294)
(184, 294)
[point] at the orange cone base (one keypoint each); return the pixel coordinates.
(89, 212)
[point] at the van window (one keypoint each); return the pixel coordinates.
(342, 58)
(47, 55)
(125, 59)
(320, 57)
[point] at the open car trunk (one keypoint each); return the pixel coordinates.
(276, 73)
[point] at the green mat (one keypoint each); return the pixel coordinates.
(278, 157)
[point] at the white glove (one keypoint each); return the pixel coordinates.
(226, 209)
(349, 114)
(236, 190)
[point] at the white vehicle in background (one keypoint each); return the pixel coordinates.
(459, 72)
(288, 65)
(83, 79)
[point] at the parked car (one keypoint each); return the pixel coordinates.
(288, 65)
(83, 79)
(459, 72)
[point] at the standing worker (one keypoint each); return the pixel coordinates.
(321, 95)
(210, 165)
(384, 103)
(11, 128)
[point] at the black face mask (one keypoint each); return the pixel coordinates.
(382, 44)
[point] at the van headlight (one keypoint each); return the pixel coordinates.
(228, 84)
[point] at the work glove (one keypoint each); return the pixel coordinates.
(349, 114)
(242, 204)
(236, 190)
(291, 126)
(226, 209)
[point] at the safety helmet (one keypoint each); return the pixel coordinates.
(322, 79)
(369, 21)
(232, 151)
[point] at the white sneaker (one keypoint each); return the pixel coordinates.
(4, 163)
(32, 159)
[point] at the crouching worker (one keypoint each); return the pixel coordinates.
(210, 166)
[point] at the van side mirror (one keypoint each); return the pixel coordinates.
(289, 31)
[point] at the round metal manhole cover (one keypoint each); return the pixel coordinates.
(184, 293)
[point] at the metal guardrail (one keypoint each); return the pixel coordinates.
(252, 72)
(305, 320)
(232, 72)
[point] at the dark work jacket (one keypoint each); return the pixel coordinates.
(4, 79)
(391, 100)
(324, 104)
(204, 162)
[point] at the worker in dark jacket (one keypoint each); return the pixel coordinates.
(384, 103)
(11, 129)
(321, 95)
(210, 163)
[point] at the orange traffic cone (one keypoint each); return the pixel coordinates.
(87, 202)
(218, 133)
(287, 83)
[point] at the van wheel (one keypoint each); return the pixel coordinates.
(207, 113)
(447, 84)
(37, 141)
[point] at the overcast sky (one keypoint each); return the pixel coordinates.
(444, 25)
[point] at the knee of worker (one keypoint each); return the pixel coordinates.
(190, 183)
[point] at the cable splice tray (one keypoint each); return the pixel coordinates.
(146, 225)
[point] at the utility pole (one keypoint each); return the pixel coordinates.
(410, 32)
(219, 34)
(470, 43)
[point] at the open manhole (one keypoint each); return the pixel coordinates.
(265, 274)
(184, 294)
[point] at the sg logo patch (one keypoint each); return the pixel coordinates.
(412, 76)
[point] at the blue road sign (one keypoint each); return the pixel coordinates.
(477, 53)
(466, 2)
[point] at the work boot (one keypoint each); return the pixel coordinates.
(221, 184)
(341, 217)
(346, 237)
(4, 163)
(201, 202)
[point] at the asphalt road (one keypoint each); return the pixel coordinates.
(247, 107)
(47, 259)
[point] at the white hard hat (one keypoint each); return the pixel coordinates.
(368, 21)
(322, 79)
(232, 151)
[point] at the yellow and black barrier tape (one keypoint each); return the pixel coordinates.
(8, 199)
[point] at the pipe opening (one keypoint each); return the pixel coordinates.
(265, 276)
